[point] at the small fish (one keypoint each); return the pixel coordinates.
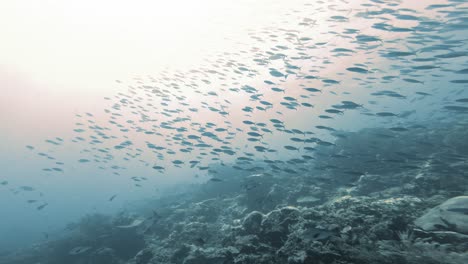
(276, 73)
(463, 71)
(367, 38)
(425, 67)
(454, 54)
(112, 197)
(423, 93)
(133, 224)
(291, 148)
(324, 143)
(276, 121)
(158, 167)
(330, 81)
(456, 108)
(334, 111)
(215, 180)
(459, 81)
(386, 114)
(78, 250)
(254, 134)
(398, 54)
(325, 128)
(412, 80)
(276, 89)
(357, 69)
(341, 50)
(40, 207)
(27, 188)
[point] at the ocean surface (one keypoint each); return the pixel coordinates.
(234, 131)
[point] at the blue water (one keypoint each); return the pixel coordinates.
(275, 102)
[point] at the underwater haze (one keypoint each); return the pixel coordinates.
(246, 131)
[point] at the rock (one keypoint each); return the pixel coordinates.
(180, 253)
(452, 215)
(297, 257)
(275, 225)
(207, 256)
(247, 244)
(252, 222)
(315, 234)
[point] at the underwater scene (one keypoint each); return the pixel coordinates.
(244, 132)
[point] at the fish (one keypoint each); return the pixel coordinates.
(459, 81)
(27, 188)
(135, 223)
(388, 93)
(112, 197)
(367, 38)
(412, 80)
(463, 71)
(214, 179)
(330, 81)
(40, 207)
(451, 55)
(392, 54)
(291, 148)
(325, 128)
(254, 134)
(386, 114)
(156, 167)
(357, 69)
(456, 108)
(79, 250)
(348, 105)
(276, 73)
(276, 121)
(325, 143)
(334, 111)
(276, 89)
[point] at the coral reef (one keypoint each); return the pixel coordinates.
(401, 199)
